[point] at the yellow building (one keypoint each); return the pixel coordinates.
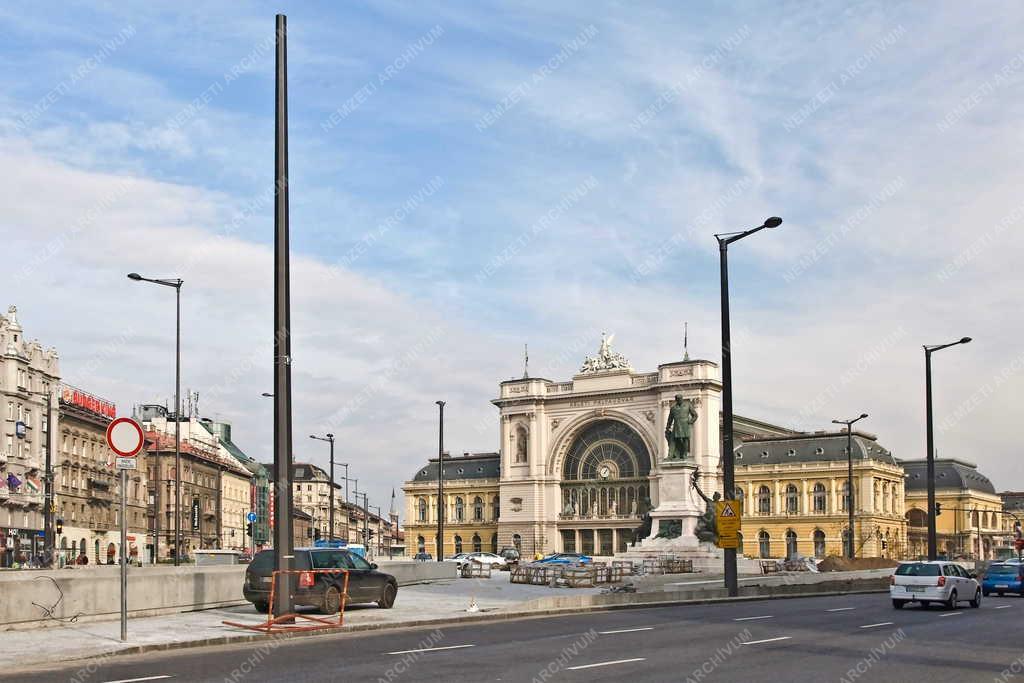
(795, 494)
(470, 503)
(969, 523)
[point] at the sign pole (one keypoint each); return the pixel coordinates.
(124, 556)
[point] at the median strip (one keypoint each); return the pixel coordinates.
(429, 649)
(617, 661)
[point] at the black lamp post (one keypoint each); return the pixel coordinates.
(849, 475)
(440, 482)
(176, 283)
(330, 524)
(930, 457)
(728, 457)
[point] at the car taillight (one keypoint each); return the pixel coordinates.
(942, 581)
(306, 580)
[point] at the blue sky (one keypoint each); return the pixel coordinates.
(886, 134)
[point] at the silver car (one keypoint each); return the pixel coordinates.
(926, 582)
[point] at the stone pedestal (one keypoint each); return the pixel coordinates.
(678, 502)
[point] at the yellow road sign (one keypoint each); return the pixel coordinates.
(729, 520)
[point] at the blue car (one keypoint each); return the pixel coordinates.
(1003, 578)
(566, 558)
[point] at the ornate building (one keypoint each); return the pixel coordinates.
(311, 494)
(796, 498)
(28, 375)
(969, 523)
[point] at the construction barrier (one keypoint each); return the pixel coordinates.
(287, 622)
(476, 570)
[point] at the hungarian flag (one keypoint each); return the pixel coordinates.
(33, 485)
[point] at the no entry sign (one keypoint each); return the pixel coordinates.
(125, 438)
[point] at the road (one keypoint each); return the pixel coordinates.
(843, 638)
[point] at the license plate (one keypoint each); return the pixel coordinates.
(915, 589)
(1002, 585)
(265, 579)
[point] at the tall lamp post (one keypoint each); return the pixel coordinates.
(176, 283)
(345, 465)
(329, 439)
(930, 457)
(728, 457)
(440, 482)
(849, 475)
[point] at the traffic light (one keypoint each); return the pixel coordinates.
(248, 528)
(938, 509)
(60, 526)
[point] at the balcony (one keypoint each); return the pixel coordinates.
(101, 495)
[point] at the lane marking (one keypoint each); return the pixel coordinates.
(767, 640)
(884, 623)
(767, 616)
(133, 680)
(1004, 607)
(840, 609)
(951, 614)
(617, 661)
(626, 630)
(429, 649)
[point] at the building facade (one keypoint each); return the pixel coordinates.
(472, 505)
(969, 523)
(258, 494)
(311, 491)
(796, 497)
(87, 487)
(28, 375)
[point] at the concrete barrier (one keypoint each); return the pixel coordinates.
(410, 572)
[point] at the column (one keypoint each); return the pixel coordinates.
(804, 507)
(835, 505)
(777, 498)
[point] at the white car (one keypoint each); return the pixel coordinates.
(459, 559)
(496, 561)
(928, 582)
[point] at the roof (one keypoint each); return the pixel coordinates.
(467, 466)
(949, 474)
(811, 447)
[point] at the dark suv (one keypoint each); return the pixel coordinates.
(365, 583)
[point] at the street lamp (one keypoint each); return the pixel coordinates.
(330, 439)
(440, 482)
(849, 474)
(176, 283)
(930, 457)
(728, 457)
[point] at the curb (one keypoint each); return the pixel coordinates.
(243, 638)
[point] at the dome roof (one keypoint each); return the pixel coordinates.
(469, 466)
(814, 447)
(949, 474)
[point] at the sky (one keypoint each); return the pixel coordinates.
(467, 178)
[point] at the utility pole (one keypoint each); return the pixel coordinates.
(440, 482)
(849, 476)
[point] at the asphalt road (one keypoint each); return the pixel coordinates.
(845, 638)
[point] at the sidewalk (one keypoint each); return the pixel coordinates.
(446, 600)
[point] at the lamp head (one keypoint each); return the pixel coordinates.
(772, 222)
(267, 395)
(863, 415)
(440, 403)
(965, 340)
(134, 276)
(329, 435)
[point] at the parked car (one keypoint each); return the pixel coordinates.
(495, 561)
(365, 582)
(510, 554)
(422, 557)
(458, 558)
(566, 558)
(1003, 577)
(928, 582)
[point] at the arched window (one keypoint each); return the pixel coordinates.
(819, 543)
(522, 443)
(421, 544)
(790, 544)
(458, 544)
(846, 496)
(460, 510)
(494, 543)
(495, 509)
(974, 518)
(517, 541)
(764, 501)
(917, 518)
(764, 544)
(422, 513)
(847, 548)
(820, 497)
(477, 543)
(739, 549)
(478, 509)
(792, 500)
(885, 496)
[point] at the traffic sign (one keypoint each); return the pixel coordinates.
(728, 521)
(251, 517)
(125, 438)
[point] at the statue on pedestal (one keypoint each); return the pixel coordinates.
(707, 526)
(679, 428)
(644, 530)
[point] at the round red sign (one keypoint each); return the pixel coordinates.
(125, 437)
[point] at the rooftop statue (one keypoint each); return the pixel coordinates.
(606, 359)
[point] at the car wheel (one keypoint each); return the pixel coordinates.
(331, 603)
(387, 598)
(898, 604)
(262, 607)
(951, 603)
(976, 602)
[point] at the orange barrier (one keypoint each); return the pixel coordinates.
(287, 622)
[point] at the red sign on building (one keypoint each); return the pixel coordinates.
(86, 401)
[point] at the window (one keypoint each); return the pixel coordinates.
(764, 501)
(421, 544)
(494, 543)
(477, 543)
(458, 544)
(792, 500)
(819, 497)
(460, 510)
(819, 543)
(790, 544)
(764, 544)
(422, 512)
(496, 508)
(517, 541)
(478, 509)
(846, 496)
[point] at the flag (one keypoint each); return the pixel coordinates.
(13, 482)
(33, 485)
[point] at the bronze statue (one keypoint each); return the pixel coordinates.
(707, 525)
(679, 428)
(644, 530)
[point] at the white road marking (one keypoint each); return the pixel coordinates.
(1004, 607)
(767, 640)
(884, 623)
(133, 680)
(429, 649)
(626, 630)
(617, 661)
(950, 614)
(840, 609)
(767, 616)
